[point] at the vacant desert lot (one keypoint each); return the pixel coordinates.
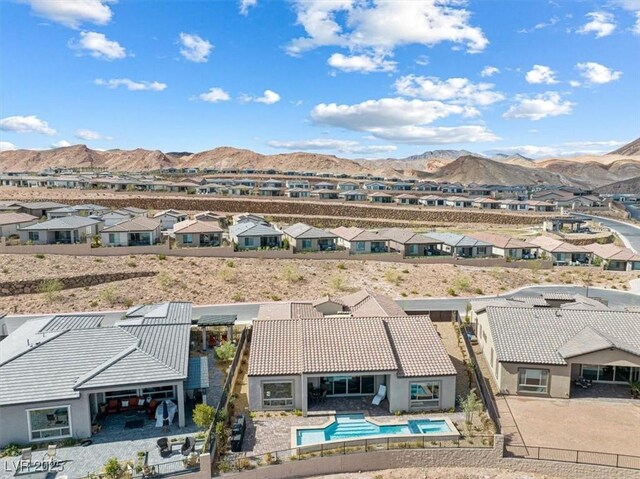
(215, 280)
(602, 425)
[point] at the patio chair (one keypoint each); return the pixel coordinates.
(164, 446)
(112, 406)
(25, 458)
(50, 455)
(382, 393)
(188, 446)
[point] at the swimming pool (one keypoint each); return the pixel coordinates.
(346, 427)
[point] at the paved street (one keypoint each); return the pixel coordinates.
(629, 233)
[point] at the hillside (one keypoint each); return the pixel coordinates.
(429, 161)
(593, 173)
(631, 185)
(485, 171)
(630, 149)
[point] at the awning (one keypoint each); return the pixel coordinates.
(198, 374)
(218, 320)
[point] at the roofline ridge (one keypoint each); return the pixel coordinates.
(105, 364)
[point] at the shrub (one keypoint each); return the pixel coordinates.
(226, 352)
(275, 297)
(11, 450)
(478, 291)
(226, 274)
(162, 256)
(109, 295)
(341, 265)
(392, 276)
(230, 263)
(98, 260)
(113, 469)
(203, 415)
(291, 274)
(39, 255)
(51, 288)
(132, 264)
(462, 283)
(237, 297)
(337, 283)
(452, 292)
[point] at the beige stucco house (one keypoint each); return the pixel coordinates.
(195, 233)
(303, 237)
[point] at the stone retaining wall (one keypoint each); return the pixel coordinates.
(31, 286)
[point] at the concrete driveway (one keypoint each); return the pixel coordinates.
(600, 425)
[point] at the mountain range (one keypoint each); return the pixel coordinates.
(440, 165)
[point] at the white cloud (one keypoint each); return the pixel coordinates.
(422, 60)
(429, 135)
(131, 85)
(574, 83)
(214, 95)
(456, 90)
(361, 63)
(6, 146)
(596, 73)
(73, 13)
(602, 24)
(539, 26)
(245, 5)
(636, 26)
(60, 144)
(26, 124)
(98, 46)
(538, 107)
(269, 97)
(569, 148)
(90, 135)
(541, 74)
(489, 71)
(195, 48)
(382, 25)
(322, 144)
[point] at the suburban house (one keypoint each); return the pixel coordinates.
(508, 247)
(137, 231)
(380, 197)
(250, 217)
(297, 193)
(431, 200)
(406, 199)
(513, 205)
(39, 208)
(615, 258)
(324, 185)
(347, 186)
(358, 240)
(375, 185)
(92, 370)
(463, 246)
(309, 238)
(210, 216)
(353, 195)
(408, 243)
(197, 233)
(66, 230)
(543, 351)
(540, 206)
(486, 203)
(325, 194)
(457, 202)
(403, 353)
(561, 252)
(11, 222)
(250, 235)
(168, 218)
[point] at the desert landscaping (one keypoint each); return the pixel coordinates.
(438, 473)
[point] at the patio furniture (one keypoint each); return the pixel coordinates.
(25, 457)
(188, 446)
(164, 446)
(112, 406)
(151, 409)
(382, 393)
(51, 453)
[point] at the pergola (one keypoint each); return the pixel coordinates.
(214, 320)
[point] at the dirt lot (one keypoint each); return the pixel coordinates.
(215, 280)
(602, 425)
(438, 473)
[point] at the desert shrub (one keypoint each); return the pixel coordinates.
(227, 274)
(462, 283)
(113, 469)
(51, 289)
(237, 297)
(39, 255)
(162, 256)
(164, 280)
(392, 276)
(452, 292)
(275, 297)
(337, 283)
(291, 274)
(229, 263)
(109, 295)
(341, 265)
(132, 264)
(203, 415)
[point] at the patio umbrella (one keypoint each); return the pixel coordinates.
(165, 411)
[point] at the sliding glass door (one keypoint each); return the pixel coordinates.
(348, 385)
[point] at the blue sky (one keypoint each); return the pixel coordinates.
(354, 78)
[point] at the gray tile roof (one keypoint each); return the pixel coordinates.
(303, 231)
(541, 335)
(248, 228)
(454, 239)
(169, 343)
(65, 223)
(217, 320)
(42, 205)
(138, 223)
(65, 323)
(502, 241)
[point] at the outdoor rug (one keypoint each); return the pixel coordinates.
(134, 424)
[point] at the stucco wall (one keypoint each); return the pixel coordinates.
(255, 391)
(399, 393)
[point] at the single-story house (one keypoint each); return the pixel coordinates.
(561, 252)
(67, 230)
(297, 184)
(11, 222)
(452, 188)
(615, 258)
(380, 197)
(353, 195)
(325, 194)
(427, 186)
(270, 191)
(89, 209)
(62, 212)
(486, 203)
(543, 351)
(137, 231)
(431, 200)
(409, 243)
(210, 216)
(250, 217)
(168, 218)
(463, 246)
(513, 205)
(401, 186)
(324, 185)
(309, 238)
(508, 247)
(39, 208)
(375, 185)
(297, 193)
(197, 233)
(91, 371)
(347, 186)
(458, 202)
(114, 217)
(358, 240)
(249, 235)
(537, 205)
(404, 353)
(406, 199)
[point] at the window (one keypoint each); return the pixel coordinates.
(112, 238)
(413, 249)
(276, 395)
(187, 239)
(120, 394)
(348, 385)
(533, 381)
(482, 250)
(49, 423)
(160, 392)
(424, 394)
(306, 244)
(359, 245)
(248, 241)
(34, 236)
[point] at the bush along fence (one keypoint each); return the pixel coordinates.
(216, 436)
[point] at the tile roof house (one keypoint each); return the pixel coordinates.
(59, 376)
(408, 243)
(137, 231)
(11, 222)
(303, 237)
(349, 355)
(250, 235)
(359, 241)
(168, 218)
(615, 258)
(189, 233)
(508, 247)
(561, 252)
(66, 230)
(463, 246)
(39, 208)
(543, 351)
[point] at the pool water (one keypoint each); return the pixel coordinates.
(354, 426)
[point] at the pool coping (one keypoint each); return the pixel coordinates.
(453, 435)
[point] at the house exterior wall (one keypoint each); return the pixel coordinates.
(398, 392)
(15, 424)
(9, 230)
(167, 221)
(351, 246)
(196, 239)
(255, 391)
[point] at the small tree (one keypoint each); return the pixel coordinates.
(113, 469)
(203, 415)
(470, 405)
(226, 352)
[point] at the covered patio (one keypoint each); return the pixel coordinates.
(207, 323)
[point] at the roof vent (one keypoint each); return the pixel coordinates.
(559, 313)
